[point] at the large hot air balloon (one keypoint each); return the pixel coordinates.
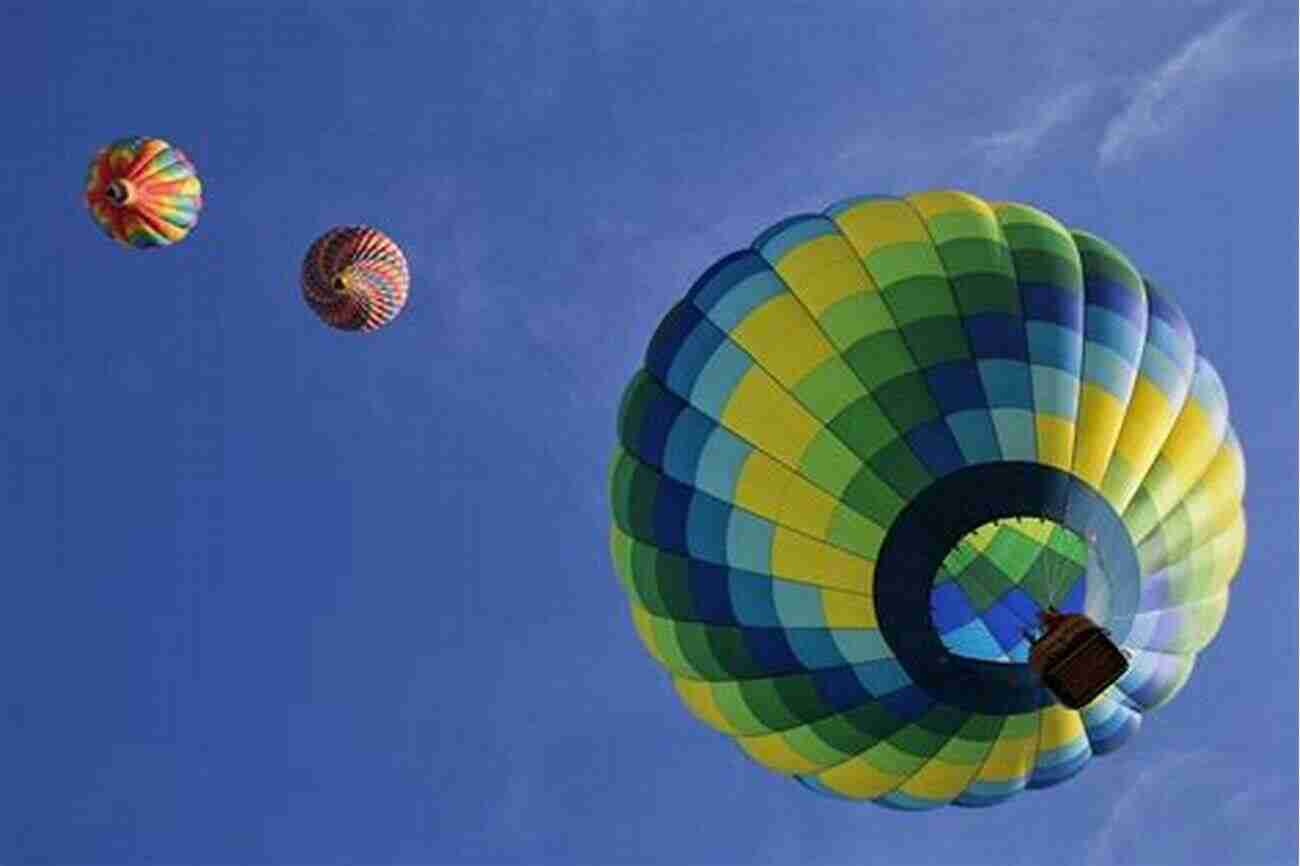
(143, 192)
(894, 467)
(355, 278)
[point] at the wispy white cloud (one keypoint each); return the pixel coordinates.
(1127, 812)
(1163, 100)
(1239, 813)
(1012, 146)
(1253, 798)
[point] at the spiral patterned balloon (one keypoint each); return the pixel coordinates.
(355, 278)
(143, 192)
(866, 452)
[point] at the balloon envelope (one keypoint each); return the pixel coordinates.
(143, 192)
(862, 456)
(355, 278)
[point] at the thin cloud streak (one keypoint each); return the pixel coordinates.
(1005, 148)
(1140, 819)
(1127, 812)
(1162, 101)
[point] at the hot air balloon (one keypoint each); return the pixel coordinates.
(903, 481)
(355, 278)
(143, 192)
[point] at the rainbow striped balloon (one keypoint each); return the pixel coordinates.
(143, 192)
(355, 278)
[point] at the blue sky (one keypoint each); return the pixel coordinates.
(281, 595)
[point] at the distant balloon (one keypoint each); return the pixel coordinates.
(869, 455)
(143, 192)
(355, 278)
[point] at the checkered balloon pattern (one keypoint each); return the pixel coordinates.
(355, 278)
(143, 192)
(808, 391)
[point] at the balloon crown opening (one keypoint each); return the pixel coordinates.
(119, 192)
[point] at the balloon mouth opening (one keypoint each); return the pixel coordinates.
(912, 556)
(119, 192)
(1000, 579)
(340, 285)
